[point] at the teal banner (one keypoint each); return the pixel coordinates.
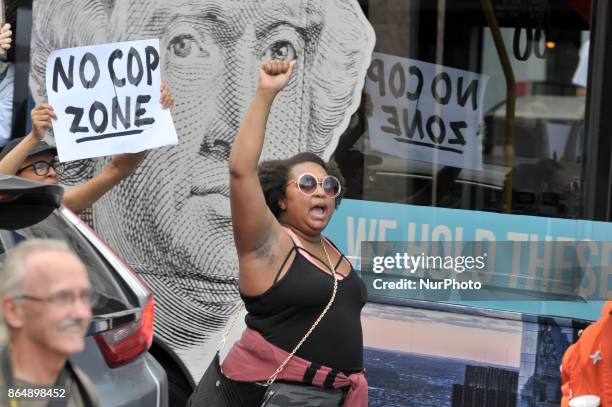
(358, 221)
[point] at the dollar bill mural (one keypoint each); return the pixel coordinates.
(171, 219)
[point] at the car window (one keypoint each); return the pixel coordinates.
(110, 296)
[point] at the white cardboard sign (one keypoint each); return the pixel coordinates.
(425, 112)
(106, 98)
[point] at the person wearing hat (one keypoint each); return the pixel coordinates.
(32, 158)
(586, 369)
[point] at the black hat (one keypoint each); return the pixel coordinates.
(41, 147)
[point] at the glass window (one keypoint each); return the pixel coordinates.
(477, 108)
(449, 119)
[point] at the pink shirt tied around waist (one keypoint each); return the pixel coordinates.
(263, 358)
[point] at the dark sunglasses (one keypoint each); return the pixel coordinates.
(41, 168)
(307, 184)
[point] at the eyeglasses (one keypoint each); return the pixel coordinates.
(41, 167)
(62, 298)
(307, 184)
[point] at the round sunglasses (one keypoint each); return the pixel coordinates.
(307, 184)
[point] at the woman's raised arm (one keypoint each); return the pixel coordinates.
(254, 224)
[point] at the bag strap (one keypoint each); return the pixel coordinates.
(306, 335)
(230, 327)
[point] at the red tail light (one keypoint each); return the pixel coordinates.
(124, 343)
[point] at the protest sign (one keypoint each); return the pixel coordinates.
(106, 98)
(425, 112)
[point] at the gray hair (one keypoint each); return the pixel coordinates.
(13, 271)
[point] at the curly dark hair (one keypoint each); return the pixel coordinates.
(274, 175)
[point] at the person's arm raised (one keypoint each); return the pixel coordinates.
(254, 224)
(81, 197)
(42, 115)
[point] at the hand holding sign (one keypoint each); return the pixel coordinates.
(102, 95)
(125, 164)
(166, 99)
(5, 37)
(42, 116)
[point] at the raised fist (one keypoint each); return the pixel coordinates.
(274, 75)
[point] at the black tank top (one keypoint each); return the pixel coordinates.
(285, 312)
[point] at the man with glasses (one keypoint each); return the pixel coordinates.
(45, 300)
(32, 158)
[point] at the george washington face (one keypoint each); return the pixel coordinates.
(171, 218)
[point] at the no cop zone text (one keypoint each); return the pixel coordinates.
(139, 68)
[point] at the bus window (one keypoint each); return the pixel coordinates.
(417, 138)
(471, 126)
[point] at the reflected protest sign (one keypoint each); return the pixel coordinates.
(425, 112)
(106, 98)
